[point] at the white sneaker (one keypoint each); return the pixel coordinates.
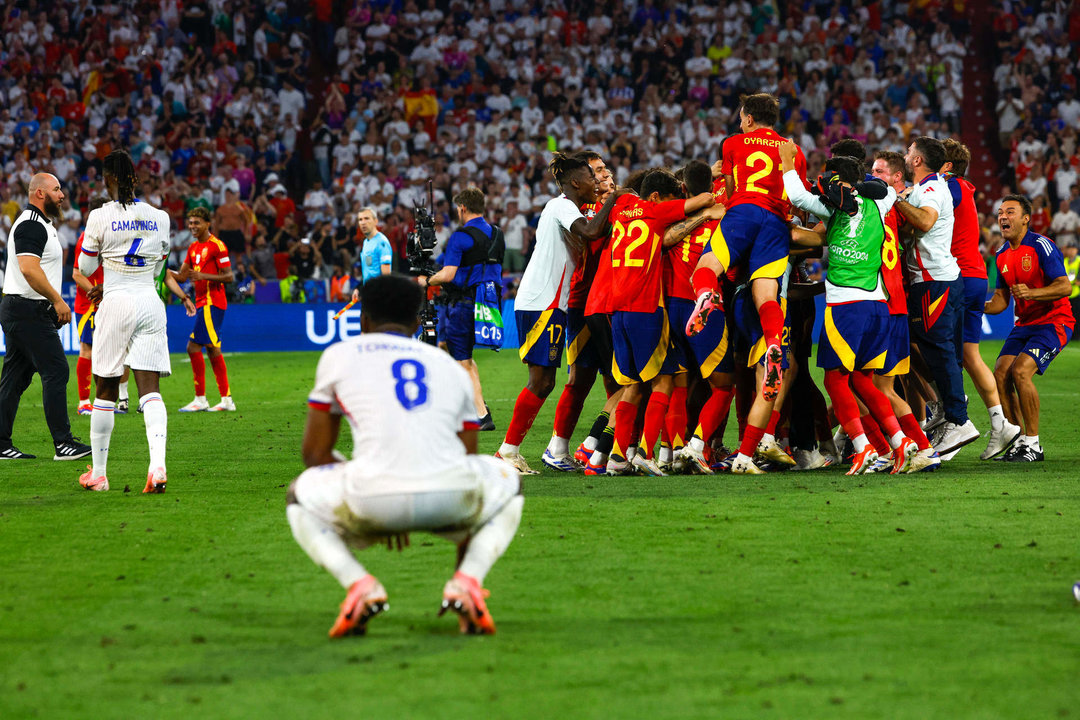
(951, 436)
(646, 466)
(935, 415)
(691, 461)
(225, 404)
(516, 461)
(196, 405)
(809, 460)
(1000, 440)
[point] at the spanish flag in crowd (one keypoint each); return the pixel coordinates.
(421, 105)
(93, 83)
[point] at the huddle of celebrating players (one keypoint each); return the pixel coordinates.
(686, 291)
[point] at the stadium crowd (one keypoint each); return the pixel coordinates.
(287, 118)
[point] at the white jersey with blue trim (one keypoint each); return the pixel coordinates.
(130, 241)
(405, 401)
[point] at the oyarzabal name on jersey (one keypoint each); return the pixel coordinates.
(134, 226)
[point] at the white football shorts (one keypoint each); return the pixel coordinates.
(465, 500)
(129, 329)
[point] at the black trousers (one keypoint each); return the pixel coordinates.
(33, 345)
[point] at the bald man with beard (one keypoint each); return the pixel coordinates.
(31, 313)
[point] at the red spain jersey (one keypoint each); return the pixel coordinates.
(753, 161)
(210, 257)
(681, 260)
(599, 302)
(637, 240)
(82, 303)
(585, 270)
(892, 265)
(966, 231)
(719, 191)
(1035, 262)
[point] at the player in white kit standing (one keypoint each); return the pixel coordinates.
(130, 239)
(399, 394)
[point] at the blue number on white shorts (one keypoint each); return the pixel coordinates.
(132, 258)
(411, 389)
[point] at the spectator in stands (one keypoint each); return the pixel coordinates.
(232, 221)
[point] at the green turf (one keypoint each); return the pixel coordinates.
(788, 596)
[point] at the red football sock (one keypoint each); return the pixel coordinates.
(911, 428)
(772, 322)
(654, 420)
(750, 440)
(525, 410)
(217, 362)
(568, 411)
(876, 402)
(676, 417)
(714, 410)
(704, 280)
(625, 419)
(774, 420)
(874, 434)
(198, 369)
(844, 406)
(83, 378)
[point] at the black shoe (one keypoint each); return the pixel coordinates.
(122, 407)
(486, 423)
(71, 449)
(1024, 453)
(14, 453)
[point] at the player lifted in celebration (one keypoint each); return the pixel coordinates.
(1031, 268)
(543, 295)
(207, 265)
(394, 389)
(754, 231)
(130, 240)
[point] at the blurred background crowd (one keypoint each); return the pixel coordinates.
(287, 118)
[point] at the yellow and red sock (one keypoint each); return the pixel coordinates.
(83, 376)
(217, 362)
(198, 370)
(525, 410)
(772, 322)
(655, 413)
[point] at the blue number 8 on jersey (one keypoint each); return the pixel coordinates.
(410, 389)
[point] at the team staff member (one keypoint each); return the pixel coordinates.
(1030, 268)
(936, 290)
(30, 313)
(209, 267)
(465, 268)
(543, 295)
(965, 248)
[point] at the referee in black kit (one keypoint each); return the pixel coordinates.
(31, 312)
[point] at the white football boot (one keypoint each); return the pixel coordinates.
(199, 404)
(226, 404)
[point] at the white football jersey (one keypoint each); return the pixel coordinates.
(130, 242)
(405, 402)
(546, 281)
(931, 256)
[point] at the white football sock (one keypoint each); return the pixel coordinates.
(123, 391)
(697, 444)
(200, 398)
(665, 454)
(598, 458)
(1032, 441)
(767, 439)
(997, 417)
(324, 546)
(590, 443)
(101, 427)
(558, 446)
(491, 541)
(157, 420)
(508, 449)
(860, 442)
(896, 439)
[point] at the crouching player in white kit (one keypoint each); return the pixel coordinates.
(395, 390)
(130, 240)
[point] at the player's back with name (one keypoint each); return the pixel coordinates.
(130, 240)
(398, 395)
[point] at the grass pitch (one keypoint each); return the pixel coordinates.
(794, 595)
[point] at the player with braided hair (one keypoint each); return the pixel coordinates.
(543, 295)
(130, 241)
